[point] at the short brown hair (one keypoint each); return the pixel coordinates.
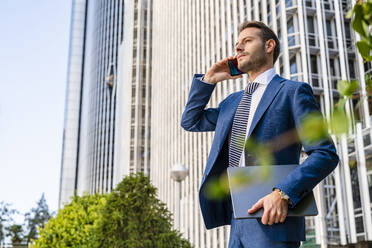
(266, 34)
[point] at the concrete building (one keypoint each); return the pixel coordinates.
(317, 46)
(107, 125)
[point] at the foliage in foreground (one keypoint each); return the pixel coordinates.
(73, 225)
(130, 216)
(134, 217)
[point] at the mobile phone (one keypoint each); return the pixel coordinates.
(233, 66)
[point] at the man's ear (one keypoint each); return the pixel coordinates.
(270, 46)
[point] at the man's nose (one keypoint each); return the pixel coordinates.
(238, 47)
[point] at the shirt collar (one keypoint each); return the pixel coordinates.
(265, 77)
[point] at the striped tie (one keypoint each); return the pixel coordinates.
(239, 126)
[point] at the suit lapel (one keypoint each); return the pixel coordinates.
(227, 119)
(230, 113)
(271, 90)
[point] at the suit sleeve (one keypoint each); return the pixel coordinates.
(322, 157)
(195, 117)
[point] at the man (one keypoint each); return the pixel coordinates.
(268, 107)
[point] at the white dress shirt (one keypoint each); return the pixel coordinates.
(263, 79)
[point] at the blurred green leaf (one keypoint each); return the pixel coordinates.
(364, 50)
(341, 104)
(357, 106)
(240, 179)
(313, 128)
(342, 86)
(346, 88)
(217, 188)
(350, 13)
(365, 27)
(357, 21)
(352, 163)
(367, 10)
(260, 151)
(368, 80)
(339, 122)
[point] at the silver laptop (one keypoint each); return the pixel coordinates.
(251, 183)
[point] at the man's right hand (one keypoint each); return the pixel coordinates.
(219, 72)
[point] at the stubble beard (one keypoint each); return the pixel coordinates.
(255, 63)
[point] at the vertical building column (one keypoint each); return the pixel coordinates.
(275, 29)
(323, 59)
(340, 203)
(304, 54)
(320, 224)
(348, 190)
(283, 30)
(264, 11)
(148, 88)
(363, 182)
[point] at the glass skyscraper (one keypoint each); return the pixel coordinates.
(107, 128)
(73, 102)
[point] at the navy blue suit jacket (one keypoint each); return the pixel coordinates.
(282, 107)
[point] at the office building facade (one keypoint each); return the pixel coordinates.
(317, 46)
(106, 134)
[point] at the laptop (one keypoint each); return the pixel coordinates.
(251, 183)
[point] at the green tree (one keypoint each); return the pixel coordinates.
(73, 225)
(36, 218)
(6, 214)
(134, 217)
(130, 216)
(15, 232)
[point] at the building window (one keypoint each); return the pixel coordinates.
(351, 69)
(367, 67)
(329, 28)
(309, 3)
(334, 71)
(314, 65)
(331, 38)
(357, 111)
(291, 36)
(290, 26)
(314, 71)
(332, 67)
(327, 5)
(293, 65)
(311, 30)
(288, 3)
(310, 24)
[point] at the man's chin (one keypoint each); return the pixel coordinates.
(243, 69)
(244, 66)
(247, 67)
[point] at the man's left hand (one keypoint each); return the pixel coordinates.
(275, 208)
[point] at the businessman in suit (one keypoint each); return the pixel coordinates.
(269, 107)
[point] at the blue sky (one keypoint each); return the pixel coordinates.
(33, 66)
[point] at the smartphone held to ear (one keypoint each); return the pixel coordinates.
(233, 66)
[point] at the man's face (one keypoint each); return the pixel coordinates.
(250, 50)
